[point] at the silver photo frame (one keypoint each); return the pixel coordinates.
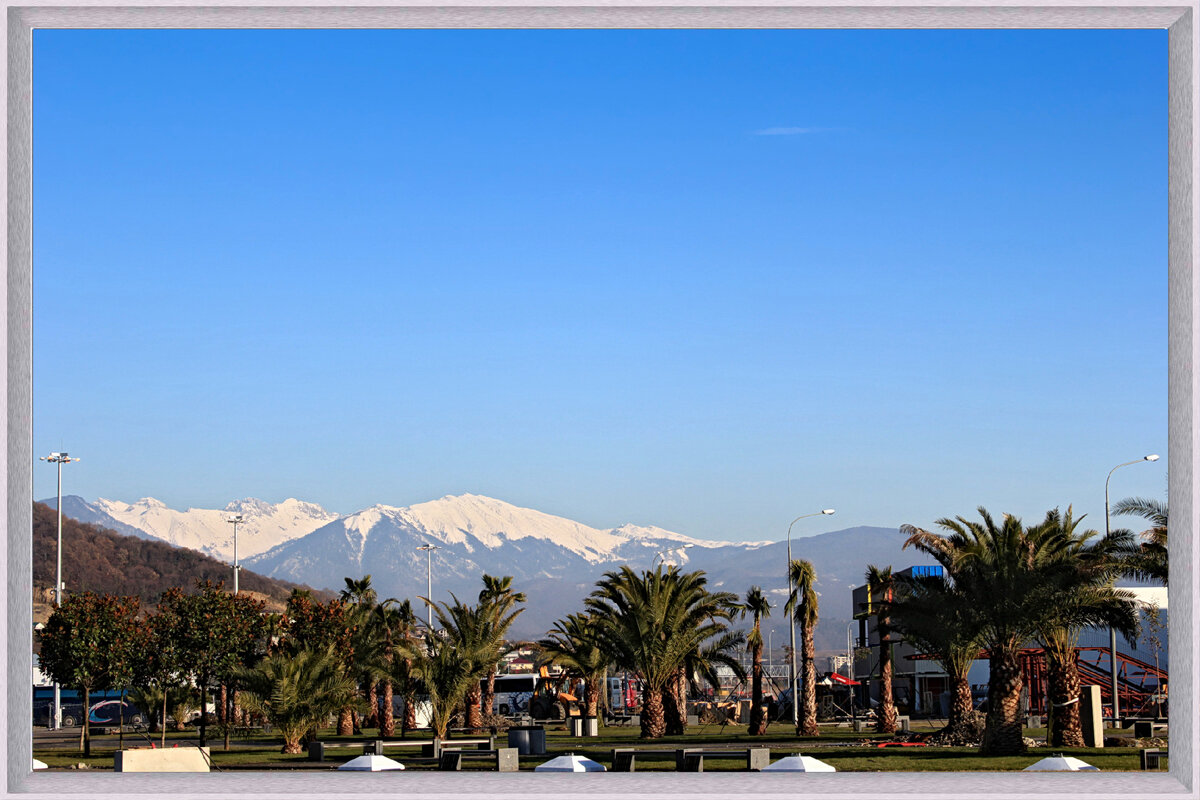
(1180, 20)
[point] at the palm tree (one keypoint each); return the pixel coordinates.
(996, 569)
(1151, 561)
(757, 605)
(658, 625)
(451, 667)
(935, 616)
(498, 596)
(366, 644)
(802, 606)
(1076, 591)
(396, 624)
(575, 643)
(879, 585)
(297, 693)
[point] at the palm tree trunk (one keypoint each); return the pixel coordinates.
(372, 720)
(410, 712)
(1062, 677)
(489, 694)
(674, 701)
(808, 709)
(387, 720)
(591, 697)
(758, 710)
(886, 721)
(345, 726)
(961, 702)
(654, 725)
(1003, 734)
(474, 713)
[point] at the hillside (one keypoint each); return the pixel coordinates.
(103, 561)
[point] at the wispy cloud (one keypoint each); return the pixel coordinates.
(790, 131)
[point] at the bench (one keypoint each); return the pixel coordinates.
(692, 759)
(624, 759)
(1151, 758)
(429, 749)
(505, 759)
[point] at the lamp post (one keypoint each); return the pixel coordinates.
(59, 459)
(661, 556)
(850, 669)
(429, 548)
(234, 520)
(792, 613)
(1112, 633)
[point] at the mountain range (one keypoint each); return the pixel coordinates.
(553, 560)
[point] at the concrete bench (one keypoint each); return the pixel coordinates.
(692, 759)
(504, 758)
(1151, 758)
(624, 759)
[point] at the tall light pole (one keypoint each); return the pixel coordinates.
(1112, 633)
(429, 548)
(792, 614)
(850, 668)
(234, 520)
(59, 459)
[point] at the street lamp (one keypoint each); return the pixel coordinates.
(429, 548)
(59, 459)
(234, 520)
(792, 615)
(662, 555)
(850, 669)
(1112, 633)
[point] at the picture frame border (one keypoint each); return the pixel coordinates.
(1180, 20)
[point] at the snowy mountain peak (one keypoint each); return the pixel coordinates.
(264, 524)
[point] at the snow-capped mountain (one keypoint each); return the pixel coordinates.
(263, 526)
(473, 534)
(554, 560)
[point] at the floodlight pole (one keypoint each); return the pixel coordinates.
(234, 520)
(792, 614)
(429, 548)
(59, 459)
(1112, 633)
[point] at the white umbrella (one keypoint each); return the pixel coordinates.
(570, 763)
(799, 763)
(371, 763)
(1061, 763)
(39, 764)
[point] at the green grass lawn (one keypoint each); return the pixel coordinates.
(840, 747)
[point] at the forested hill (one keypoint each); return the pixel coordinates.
(100, 560)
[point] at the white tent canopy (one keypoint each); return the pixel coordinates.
(798, 763)
(570, 763)
(1061, 763)
(371, 763)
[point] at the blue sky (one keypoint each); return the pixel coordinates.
(707, 280)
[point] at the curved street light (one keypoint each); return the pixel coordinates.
(429, 548)
(1112, 633)
(791, 612)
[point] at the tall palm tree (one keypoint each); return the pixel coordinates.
(655, 624)
(880, 583)
(498, 596)
(575, 643)
(1076, 591)
(474, 640)
(756, 605)
(366, 643)
(936, 617)
(1151, 560)
(996, 569)
(297, 692)
(802, 606)
(396, 624)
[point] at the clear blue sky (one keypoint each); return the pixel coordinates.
(707, 280)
